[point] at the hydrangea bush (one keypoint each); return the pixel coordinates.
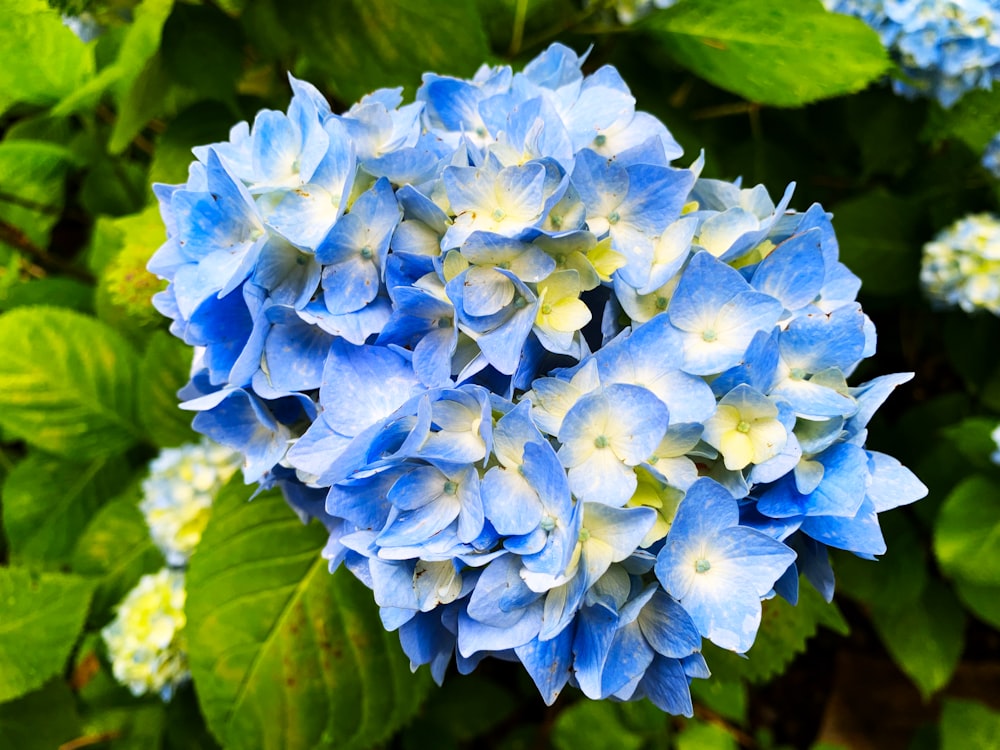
(944, 47)
(535, 384)
(555, 399)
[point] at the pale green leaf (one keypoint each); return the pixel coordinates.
(595, 725)
(780, 52)
(66, 383)
(41, 616)
(42, 59)
(283, 654)
(967, 725)
(48, 501)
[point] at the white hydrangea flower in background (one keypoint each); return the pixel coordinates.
(996, 439)
(146, 642)
(961, 266)
(178, 494)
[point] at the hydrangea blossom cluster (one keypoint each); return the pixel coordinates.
(630, 11)
(995, 456)
(991, 156)
(556, 400)
(961, 266)
(146, 641)
(177, 494)
(944, 47)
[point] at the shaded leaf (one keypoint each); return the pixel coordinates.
(361, 45)
(116, 550)
(47, 502)
(41, 720)
(595, 725)
(164, 369)
(926, 639)
(967, 725)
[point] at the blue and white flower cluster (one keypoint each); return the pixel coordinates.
(961, 266)
(944, 47)
(146, 641)
(556, 400)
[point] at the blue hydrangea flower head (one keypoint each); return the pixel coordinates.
(556, 398)
(944, 47)
(991, 156)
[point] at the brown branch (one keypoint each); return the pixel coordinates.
(90, 739)
(18, 239)
(703, 713)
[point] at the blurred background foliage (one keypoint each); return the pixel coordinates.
(772, 90)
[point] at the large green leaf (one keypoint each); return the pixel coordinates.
(41, 720)
(780, 52)
(283, 654)
(47, 502)
(164, 370)
(42, 59)
(361, 45)
(40, 618)
(595, 725)
(66, 383)
(973, 119)
(967, 532)
(925, 639)
(116, 550)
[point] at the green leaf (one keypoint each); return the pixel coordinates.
(728, 699)
(139, 45)
(879, 241)
(783, 633)
(32, 184)
(464, 708)
(43, 60)
(926, 639)
(973, 439)
(283, 654)
(163, 371)
(700, 735)
(66, 383)
(42, 616)
(967, 533)
(780, 52)
(41, 720)
(594, 725)
(361, 45)
(982, 601)
(203, 49)
(51, 290)
(48, 501)
(116, 550)
(967, 725)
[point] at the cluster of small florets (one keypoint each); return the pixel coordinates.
(177, 495)
(944, 47)
(630, 11)
(146, 640)
(556, 400)
(961, 266)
